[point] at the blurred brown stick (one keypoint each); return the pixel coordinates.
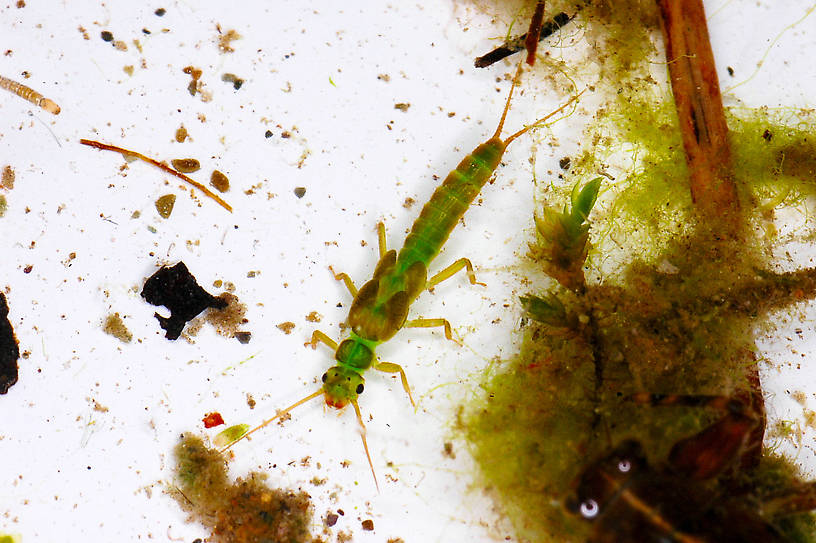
(699, 105)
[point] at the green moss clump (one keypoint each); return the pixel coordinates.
(684, 327)
(647, 199)
(247, 511)
(670, 305)
(620, 33)
(529, 470)
(774, 156)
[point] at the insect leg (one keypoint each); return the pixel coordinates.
(318, 336)
(346, 281)
(432, 323)
(390, 367)
(452, 269)
(381, 238)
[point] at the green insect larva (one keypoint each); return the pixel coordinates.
(380, 307)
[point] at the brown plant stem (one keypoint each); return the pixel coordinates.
(534, 33)
(160, 165)
(699, 105)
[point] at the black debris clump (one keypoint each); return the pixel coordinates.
(176, 289)
(9, 352)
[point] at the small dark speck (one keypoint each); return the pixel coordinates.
(300, 192)
(89, 467)
(564, 163)
(341, 512)
(106, 36)
(160, 12)
(767, 135)
(730, 71)
(145, 32)
(331, 519)
(198, 540)
(268, 134)
(243, 337)
(28, 268)
(368, 525)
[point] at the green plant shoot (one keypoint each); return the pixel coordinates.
(563, 237)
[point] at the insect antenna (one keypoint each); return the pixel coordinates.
(542, 120)
(365, 443)
(507, 104)
(278, 415)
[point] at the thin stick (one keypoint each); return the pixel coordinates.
(534, 32)
(161, 165)
(27, 93)
(514, 46)
(699, 105)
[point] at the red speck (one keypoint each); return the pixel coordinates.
(212, 419)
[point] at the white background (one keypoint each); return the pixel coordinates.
(70, 472)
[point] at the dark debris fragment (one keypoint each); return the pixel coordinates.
(514, 46)
(236, 81)
(9, 352)
(176, 289)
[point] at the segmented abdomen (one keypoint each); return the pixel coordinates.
(448, 204)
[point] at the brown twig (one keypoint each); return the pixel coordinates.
(699, 105)
(534, 32)
(163, 166)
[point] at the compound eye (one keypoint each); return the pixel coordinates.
(589, 509)
(624, 466)
(325, 376)
(360, 388)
